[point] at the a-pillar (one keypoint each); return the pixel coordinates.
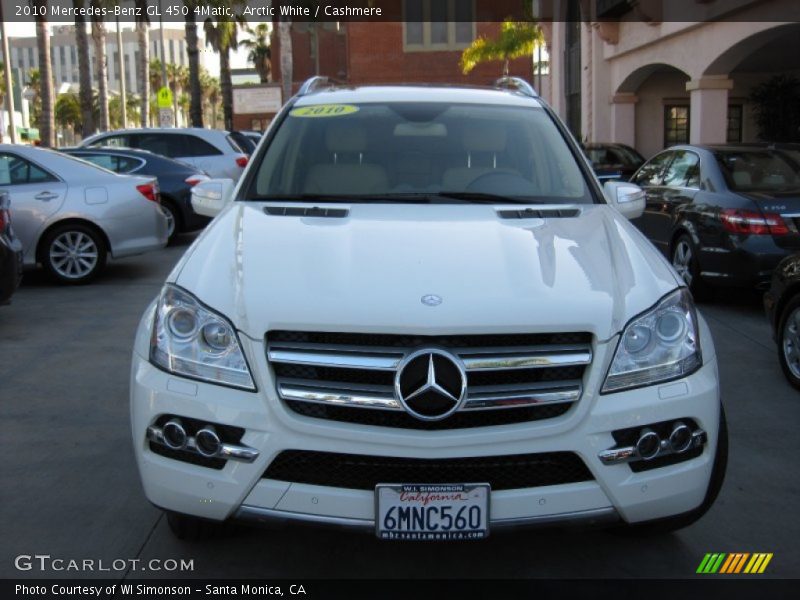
(708, 118)
(623, 119)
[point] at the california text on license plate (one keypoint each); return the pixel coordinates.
(457, 511)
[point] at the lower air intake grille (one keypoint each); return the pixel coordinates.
(361, 472)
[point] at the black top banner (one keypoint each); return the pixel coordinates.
(179, 11)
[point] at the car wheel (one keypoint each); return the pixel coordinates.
(789, 341)
(684, 260)
(173, 220)
(73, 254)
(669, 524)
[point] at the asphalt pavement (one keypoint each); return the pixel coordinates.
(70, 488)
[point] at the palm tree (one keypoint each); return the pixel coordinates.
(221, 35)
(84, 70)
(211, 94)
(178, 80)
(101, 69)
(285, 41)
(193, 52)
(260, 52)
(34, 82)
(142, 39)
(47, 126)
(115, 109)
(516, 39)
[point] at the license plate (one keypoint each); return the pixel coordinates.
(432, 511)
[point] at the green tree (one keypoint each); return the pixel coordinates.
(259, 50)
(34, 82)
(132, 105)
(516, 39)
(68, 113)
(211, 95)
(776, 107)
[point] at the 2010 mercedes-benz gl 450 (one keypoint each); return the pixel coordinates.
(418, 313)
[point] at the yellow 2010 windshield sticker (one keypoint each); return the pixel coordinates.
(324, 110)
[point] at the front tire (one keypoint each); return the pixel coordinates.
(73, 254)
(789, 341)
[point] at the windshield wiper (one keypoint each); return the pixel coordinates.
(345, 198)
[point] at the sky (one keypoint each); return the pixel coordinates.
(238, 58)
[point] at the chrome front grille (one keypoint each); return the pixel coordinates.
(353, 374)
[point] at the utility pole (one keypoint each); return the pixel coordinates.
(121, 71)
(9, 88)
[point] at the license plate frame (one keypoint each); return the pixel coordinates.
(418, 498)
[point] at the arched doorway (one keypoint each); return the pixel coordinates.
(658, 106)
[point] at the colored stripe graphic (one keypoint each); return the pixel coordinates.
(734, 563)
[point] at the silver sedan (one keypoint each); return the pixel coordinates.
(71, 215)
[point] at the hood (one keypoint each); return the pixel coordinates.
(368, 271)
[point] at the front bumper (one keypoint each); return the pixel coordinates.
(239, 490)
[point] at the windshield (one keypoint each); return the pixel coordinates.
(758, 170)
(410, 151)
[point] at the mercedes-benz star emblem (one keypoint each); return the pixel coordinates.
(431, 300)
(431, 384)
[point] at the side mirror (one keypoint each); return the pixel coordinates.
(627, 198)
(210, 197)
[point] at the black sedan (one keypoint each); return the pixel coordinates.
(10, 253)
(175, 181)
(613, 161)
(782, 303)
(724, 215)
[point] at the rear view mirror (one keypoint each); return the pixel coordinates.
(210, 197)
(627, 198)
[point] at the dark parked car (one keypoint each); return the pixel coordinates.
(10, 253)
(782, 303)
(246, 140)
(724, 215)
(613, 161)
(175, 181)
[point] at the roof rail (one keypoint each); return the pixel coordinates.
(313, 83)
(518, 83)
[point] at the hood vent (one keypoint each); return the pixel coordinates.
(539, 213)
(306, 211)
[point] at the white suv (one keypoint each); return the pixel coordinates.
(213, 151)
(419, 314)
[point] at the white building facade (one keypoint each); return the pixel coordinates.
(652, 73)
(64, 55)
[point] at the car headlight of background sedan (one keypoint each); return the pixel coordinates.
(191, 340)
(659, 345)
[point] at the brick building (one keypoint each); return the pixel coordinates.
(391, 52)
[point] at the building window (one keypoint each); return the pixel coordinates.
(438, 24)
(676, 124)
(734, 123)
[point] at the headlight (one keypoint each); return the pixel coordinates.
(660, 345)
(194, 341)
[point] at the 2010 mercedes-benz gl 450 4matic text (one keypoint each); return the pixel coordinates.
(418, 313)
